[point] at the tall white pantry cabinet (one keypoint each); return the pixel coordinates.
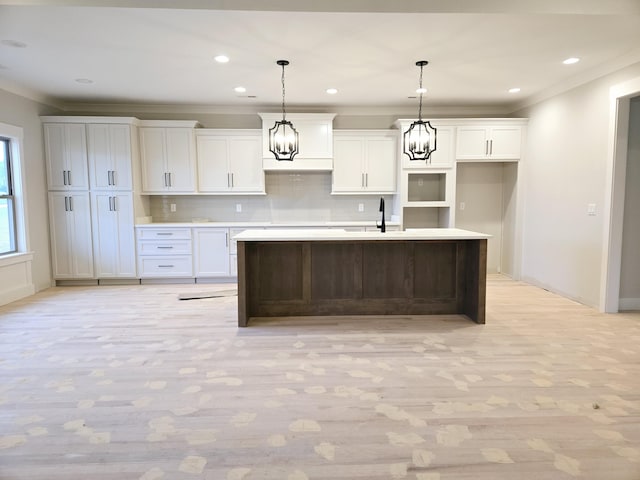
(91, 204)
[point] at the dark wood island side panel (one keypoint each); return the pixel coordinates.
(395, 277)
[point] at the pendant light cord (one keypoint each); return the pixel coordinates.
(420, 107)
(283, 111)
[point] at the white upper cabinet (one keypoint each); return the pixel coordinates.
(488, 142)
(315, 137)
(168, 157)
(364, 162)
(230, 161)
(66, 156)
(110, 156)
(444, 155)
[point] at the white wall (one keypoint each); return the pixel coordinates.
(630, 265)
(564, 171)
(21, 112)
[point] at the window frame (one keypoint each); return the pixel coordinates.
(22, 252)
(5, 144)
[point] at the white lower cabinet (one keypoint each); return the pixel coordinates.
(211, 247)
(71, 247)
(113, 234)
(164, 252)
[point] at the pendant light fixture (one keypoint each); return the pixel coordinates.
(420, 138)
(283, 138)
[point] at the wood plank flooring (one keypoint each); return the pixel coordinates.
(128, 382)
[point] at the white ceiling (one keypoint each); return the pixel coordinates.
(165, 55)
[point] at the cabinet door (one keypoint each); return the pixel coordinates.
(113, 235)
(66, 156)
(213, 173)
(472, 143)
(109, 151)
(153, 155)
(316, 138)
(443, 157)
(380, 165)
(245, 164)
(70, 225)
(505, 142)
(180, 157)
(211, 252)
(348, 172)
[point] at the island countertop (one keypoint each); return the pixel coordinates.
(281, 235)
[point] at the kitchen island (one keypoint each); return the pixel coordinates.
(284, 273)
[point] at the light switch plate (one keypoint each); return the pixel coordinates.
(238, 207)
(361, 207)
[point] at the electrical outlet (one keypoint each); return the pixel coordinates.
(591, 209)
(172, 207)
(361, 207)
(462, 205)
(238, 207)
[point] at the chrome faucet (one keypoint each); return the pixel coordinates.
(382, 226)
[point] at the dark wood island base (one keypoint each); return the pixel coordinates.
(361, 277)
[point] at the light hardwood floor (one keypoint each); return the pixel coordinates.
(128, 382)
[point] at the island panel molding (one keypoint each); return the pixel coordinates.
(288, 273)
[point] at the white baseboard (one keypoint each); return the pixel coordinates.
(17, 293)
(629, 304)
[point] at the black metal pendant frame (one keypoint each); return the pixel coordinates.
(419, 140)
(283, 138)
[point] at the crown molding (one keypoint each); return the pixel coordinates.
(601, 71)
(582, 7)
(191, 109)
(29, 94)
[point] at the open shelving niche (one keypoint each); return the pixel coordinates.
(427, 190)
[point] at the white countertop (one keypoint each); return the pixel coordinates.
(327, 234)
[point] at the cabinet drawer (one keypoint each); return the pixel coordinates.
(164, 233)
(169, 266)
(170, 247)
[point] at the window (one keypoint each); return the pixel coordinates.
(7, 201)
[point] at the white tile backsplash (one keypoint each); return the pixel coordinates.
(291, 197)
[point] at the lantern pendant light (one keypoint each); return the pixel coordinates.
(283, 138)
(420, 138)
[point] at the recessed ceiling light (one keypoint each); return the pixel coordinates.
(332, 91)
(421, 90)
(14, 43)
(240, 89)
(85, 81)
(221, 59)
(571, 61)
(514, 90)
